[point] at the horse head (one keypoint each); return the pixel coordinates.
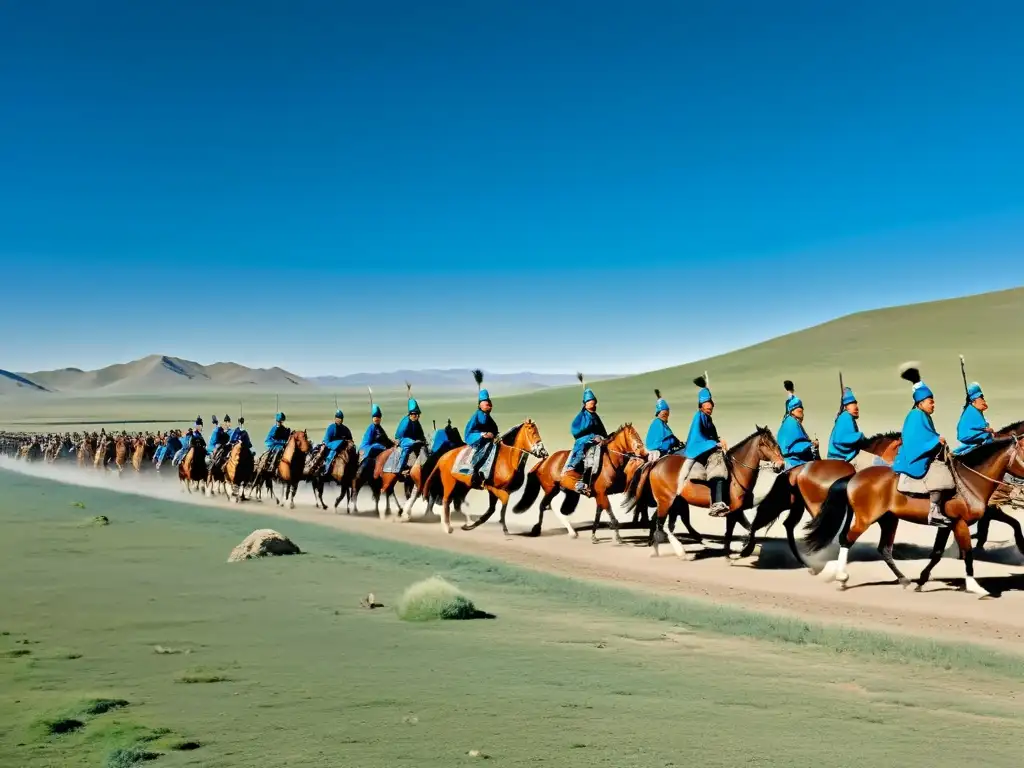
(627, 440)
(528, 438)
(301, 439)
(768, 449)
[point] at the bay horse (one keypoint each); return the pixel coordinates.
(192, 468)
(289, 469)
(239, 470)
(623, 454)
(104, 453)
(1003, 495)
(142, 453)
(855, 504)
(86, 451)
(342, 471)
(659, 483)
(122, 452)
(506, 475)
(804, 488)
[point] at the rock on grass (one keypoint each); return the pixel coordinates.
(262, 543)
(435, 598)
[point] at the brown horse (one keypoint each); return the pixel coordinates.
(1004, 495)
(506, 475)
(855, 504)
(342, 471)
(86, 451)
(105, 452)
(192, 468)
(659, 484)
(289, 469)
(142, 453)
(384, 483)
(122, 452)
(622, 455)
(239, 470)
(804, 488)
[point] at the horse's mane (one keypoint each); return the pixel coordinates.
(1012, 427)
(758, 433)
(893, 434)
(508, 437)
(984, 452)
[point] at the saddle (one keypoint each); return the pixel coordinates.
(416, 456)
(463, 464)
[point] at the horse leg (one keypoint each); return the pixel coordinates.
(569, 502)
(602, 501)
(446, 509)
(888, 524)
(853, 528)
(941, 539)
(502, 496)
(684, 515)
(294, 488)
(492, 504)
(962, 534)
(995, 513)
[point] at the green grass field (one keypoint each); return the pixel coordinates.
(137, 635)
(747, 383)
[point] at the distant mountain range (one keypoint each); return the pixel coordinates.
(155, 373)
(458, 379)
(163, 373)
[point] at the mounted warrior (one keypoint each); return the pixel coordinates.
(706, 448)
(409, 434)
(587, 431)
(661, 441)
(481, 431)
(796, 446)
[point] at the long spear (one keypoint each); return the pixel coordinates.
(963, 374)
(842, 392)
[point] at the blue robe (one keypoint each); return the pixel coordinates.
(794, 443)
(478, 424)
(586, 428)
(334, 437)
(277, 437)
(660, 437)
(970, 430)
(171, 447)
(241, 435)
(218, 437)
(846, 440)
(702, 437)
(375, 442)
(407, 434)
(920, 445)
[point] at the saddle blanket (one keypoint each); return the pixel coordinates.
(464, 462)
(416, 456)
(937, 478)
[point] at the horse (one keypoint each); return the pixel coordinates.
(192, 468)
(289, 469)
(86, 451)
(384, 482)
(31, 452)
(1005, 494)
(343, 472)
(142, 453)
(122, 450)
(623, 455)
(238, 471)
(659, 483)
(855, 504)
(506, 475)
(805, 487)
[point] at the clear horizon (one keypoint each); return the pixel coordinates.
(343, 187)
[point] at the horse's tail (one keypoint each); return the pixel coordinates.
(530, 493)
(834, 515)
(776, 501)
(638, 491)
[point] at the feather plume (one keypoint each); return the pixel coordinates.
(408, 389)
(789, 386)
(478, 377)
(370, 390)
(910, 372)
(701, 381)
(580, 377)
(657, 393)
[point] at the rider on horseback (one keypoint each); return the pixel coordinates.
(334, 436)
(919, 464)
(661, 441)
(705, 447)
(198, 441)
(219, 440)
(171, 446)
(973, 428)
(375, 439)
(846, 441)
(797, 448)
(409, 434)
(481, 430)
(587, 429)
(276, 440)
(240, 434)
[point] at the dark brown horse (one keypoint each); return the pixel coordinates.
(622, 455)
(506, 476)
(855, 504)
(659, 484)
(192, 469)
(289, 469)
(804, 488)
(343, 472)
(1004, 495)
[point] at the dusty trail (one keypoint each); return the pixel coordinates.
(773, 584)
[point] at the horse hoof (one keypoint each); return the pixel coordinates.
(449, 529)
(841, 586)
(919, 588)
(905, 582)
(734, 556)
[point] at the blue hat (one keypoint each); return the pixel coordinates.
(910, 373)
(848, 396)
(484, 396)
(661, 404)
(703, 393)
(338, 414)
(588, 394)
(414, 407)
(921, 392)
(792, 403)
(279, 416)
(974, 391)
(375, 411)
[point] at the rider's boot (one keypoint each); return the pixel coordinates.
(937, 511)
(718, 507)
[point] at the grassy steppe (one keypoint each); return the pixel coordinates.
(274, 663)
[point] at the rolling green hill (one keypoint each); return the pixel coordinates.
(868, 347)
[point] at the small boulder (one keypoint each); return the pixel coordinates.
(262, 543)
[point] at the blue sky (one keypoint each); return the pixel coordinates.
(334, 186)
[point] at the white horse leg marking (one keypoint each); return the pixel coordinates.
(975, 588)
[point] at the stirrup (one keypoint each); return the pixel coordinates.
(938, 518)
